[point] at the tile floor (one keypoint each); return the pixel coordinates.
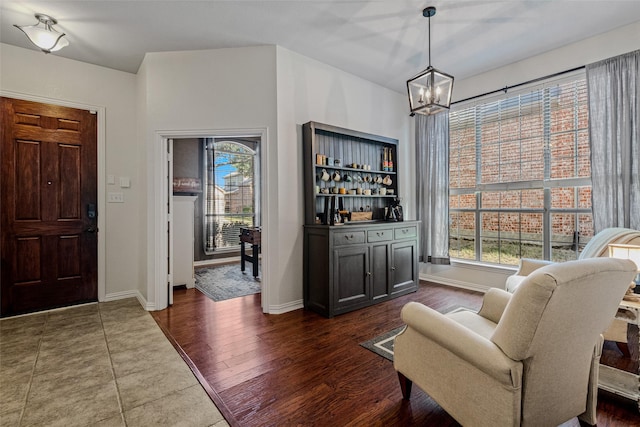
(105, 364)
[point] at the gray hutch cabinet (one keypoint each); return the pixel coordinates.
(351, 264)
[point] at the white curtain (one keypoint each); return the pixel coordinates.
(614, 134)
(432, 171)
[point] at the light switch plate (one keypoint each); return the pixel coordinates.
(125, 182)
(111, 179)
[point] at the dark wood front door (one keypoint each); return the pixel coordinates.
(48, 196)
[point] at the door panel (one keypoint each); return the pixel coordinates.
(69, 264)
(27, 178)
(49, 176)
(351, 276)
(27, 256)
(404, 268)
(380, 266)
(70, 177)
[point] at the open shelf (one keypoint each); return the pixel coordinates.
(349, 147)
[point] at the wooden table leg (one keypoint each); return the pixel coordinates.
(242, 256)
(255, 261)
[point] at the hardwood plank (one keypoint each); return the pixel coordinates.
(300, 368)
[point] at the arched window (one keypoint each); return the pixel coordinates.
(231, 191)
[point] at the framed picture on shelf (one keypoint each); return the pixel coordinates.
(187, 185)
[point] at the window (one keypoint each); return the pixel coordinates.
(520, 172)
(231, 191)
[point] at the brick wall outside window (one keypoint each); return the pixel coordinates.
(520, 176)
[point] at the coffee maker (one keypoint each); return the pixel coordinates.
(393, 212)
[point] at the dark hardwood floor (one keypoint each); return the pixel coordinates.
(302, 369)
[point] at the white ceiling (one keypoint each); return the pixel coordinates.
(384, 41)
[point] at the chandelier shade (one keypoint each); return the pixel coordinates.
(43, 35)
(430, 90)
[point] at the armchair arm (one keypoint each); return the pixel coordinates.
(464, 343)
(494, 303)
(528, 266)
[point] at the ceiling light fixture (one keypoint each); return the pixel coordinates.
(430, 90)
(43, 35)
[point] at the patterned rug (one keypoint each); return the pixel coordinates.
(382, 345)
(227, 281)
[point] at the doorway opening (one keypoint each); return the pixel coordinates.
(219, 179)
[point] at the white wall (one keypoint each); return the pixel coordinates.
(53, 79)
(309, 90)
(223, 89)
(607, 45)
(613, 43)
(143, 257)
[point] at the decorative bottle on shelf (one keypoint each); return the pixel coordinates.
(390, 162)
(385, 159)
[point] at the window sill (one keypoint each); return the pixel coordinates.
(476, 265)
(467, 274)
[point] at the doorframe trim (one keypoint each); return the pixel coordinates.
(101, 163)
(157, 248)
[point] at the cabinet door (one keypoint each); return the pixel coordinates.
(351, 277)
(380, 257)
(404, 266)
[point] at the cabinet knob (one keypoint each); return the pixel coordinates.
(368, 273)
(348, 236)
(379, 234)
(405, 231)
(393, 268)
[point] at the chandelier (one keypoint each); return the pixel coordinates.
(430, 90)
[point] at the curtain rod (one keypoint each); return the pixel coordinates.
(506, 88)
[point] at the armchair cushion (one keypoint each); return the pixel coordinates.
(468, 345)
(493, 304)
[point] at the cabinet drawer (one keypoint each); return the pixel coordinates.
(379, 235)
(405, 232)
(348, 237)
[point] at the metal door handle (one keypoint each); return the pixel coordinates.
(92, 229)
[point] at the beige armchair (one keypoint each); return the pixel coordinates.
(529, 358)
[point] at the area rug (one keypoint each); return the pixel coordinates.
(226, 282)
(382, 345)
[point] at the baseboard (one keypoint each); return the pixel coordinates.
(285, 308)
(130, 294)
(454, 283)
(219, 261)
